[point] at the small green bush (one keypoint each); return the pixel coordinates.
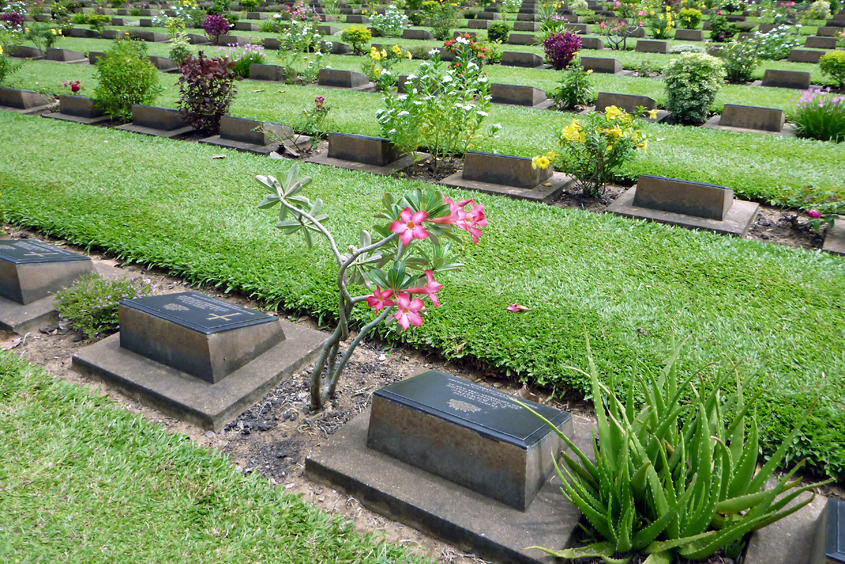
(416, 18)
(575, 88)
(689, 18)
(692, 82)
(721, 30)
(358, 36)
(125, 76)
(684, 48)
(833, 65)
(91, 303)
(98, 22)
(740, 59)
(180, 48)
(498, 32)
(249, 5)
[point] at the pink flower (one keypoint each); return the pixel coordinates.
(815, 214)
(379, 299)
(429, 289)
(408, 311)
(410, 226)
(472, 220)
(454, 213)
(516, 308)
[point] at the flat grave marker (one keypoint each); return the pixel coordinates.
(197, 358)
(786, 79)
(30, 272)
(467, 433)
(369, 154)
(158, 122)
(78, 109)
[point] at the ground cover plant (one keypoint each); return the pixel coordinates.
(90, 304)
(72, 459)
(766, 307)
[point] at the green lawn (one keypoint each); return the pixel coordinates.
(774, 310)
(83, 480)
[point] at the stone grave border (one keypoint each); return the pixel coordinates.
(78, 109)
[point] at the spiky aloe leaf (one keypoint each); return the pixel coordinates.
(663, 546)
(645, 537)
(745, 466)
(585, 476)
(603, 550)
(659, 558)
(763, 475)
(595, 518)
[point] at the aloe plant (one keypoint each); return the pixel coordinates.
(663, 487)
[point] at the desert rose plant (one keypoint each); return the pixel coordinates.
(391, 259)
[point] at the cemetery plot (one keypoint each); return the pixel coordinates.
(78, 109)
(693, 205)
(367, 154)
(197, 358)
(254, 136)
(158, 122)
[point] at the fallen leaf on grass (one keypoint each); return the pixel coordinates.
(261, 90)
(218, 157)
(516, 308)
(460, 347)
(8, 341)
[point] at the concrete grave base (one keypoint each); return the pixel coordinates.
(386, 170)
(76, 119)
(302, 141)
(834, 241)
(466, 519)
(155, 132)
(715, 122)
(540, 193)
(185, 397)
(737, 221)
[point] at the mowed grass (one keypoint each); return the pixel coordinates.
(775, 311)
(82, 480)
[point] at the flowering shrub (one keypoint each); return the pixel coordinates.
(833, 65)
(443, 109)
(98, 22)
(12, 22)
(561, 48)
(90, 304)
(692, 81)
(301, 12)
(574, 89)
(467, 43)
(780, 12)
(389, 259)
(661, 23)
(215, 26)
(125, 76)
(595, 146)
(740, 59)
(823, 205)
(43, 36)
(358, 36)
(242, 57)
(74, 86)
(381, 61)
(777, 43)
(442, 18)
(180, 48)
(689, 18)
(391, 23)
(820, 115)
(617, 32)
(721, 30)
(207, 90)
(8, 67)
(552, 24)
(818, 10)
(301, 37)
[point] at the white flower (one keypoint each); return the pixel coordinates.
(482, 79)
(403, 113)
(446, 78)
(417, 103)
(468, 107)
(482, 114)
(391, 131)
(462, 40)
(411, 77)
(472, 65)
(433, 52)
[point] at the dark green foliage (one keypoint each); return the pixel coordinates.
(498, 32)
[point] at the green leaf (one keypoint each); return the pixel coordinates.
(763, 475)
(309, 240)
(269, 201)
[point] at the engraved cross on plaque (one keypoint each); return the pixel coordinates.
(34, 254)
(226, 317)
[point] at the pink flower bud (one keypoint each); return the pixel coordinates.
(814, 214)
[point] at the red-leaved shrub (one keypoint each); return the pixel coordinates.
(561, 49)
(215, 26)
(207, 89)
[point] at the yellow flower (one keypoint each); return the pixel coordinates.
(1, 49)
(363, 11)
(541, 162)
(652, 114)
(551, 155)
(384, 53)
(613, 112)
(610, 147)
(397, 50)
(613, 133)
(376, 72)
(409, 55)
(574, 132)
(643, 145)
(590, 71)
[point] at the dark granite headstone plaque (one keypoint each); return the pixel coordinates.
(199, 312)
(472, 435)
(201, 336)
(31, 270)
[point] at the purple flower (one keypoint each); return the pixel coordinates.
(815, 214)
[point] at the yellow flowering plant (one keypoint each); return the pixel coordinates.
(380, 61)
(661, 23)
(595, 146)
